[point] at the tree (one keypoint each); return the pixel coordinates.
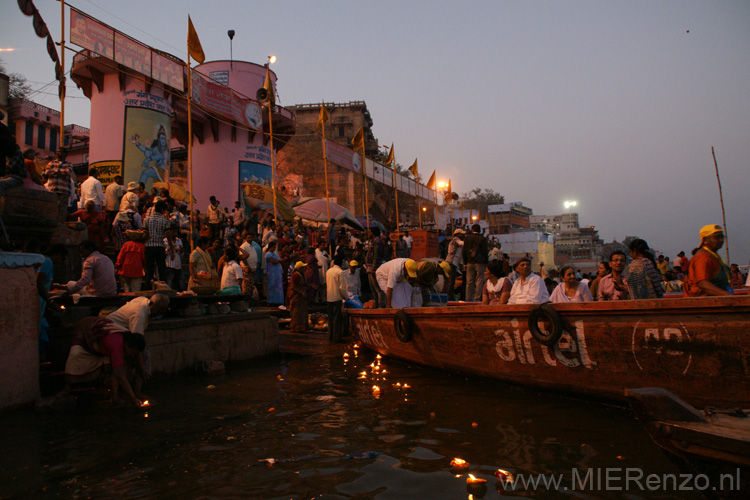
(19, 87)
(479, 199)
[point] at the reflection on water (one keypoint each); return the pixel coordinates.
(316, 427)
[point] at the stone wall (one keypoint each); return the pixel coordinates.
(19, 337)
(180, 344)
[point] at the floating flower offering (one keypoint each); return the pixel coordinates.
(356, 345)
(146, 403)
(459, 463)
(504, 475)
(378, 357)
(375, 389)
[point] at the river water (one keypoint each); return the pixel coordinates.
(314, 427)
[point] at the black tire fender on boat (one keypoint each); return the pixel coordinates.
(404, 326)
(545, 310)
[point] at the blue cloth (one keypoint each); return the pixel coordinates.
(47, 270)
(274, 281)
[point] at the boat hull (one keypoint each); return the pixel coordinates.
(698, 348)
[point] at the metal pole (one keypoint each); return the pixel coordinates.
(62, 82)
(273, 157)
(325, 168)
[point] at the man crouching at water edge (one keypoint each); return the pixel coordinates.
(529, 288)
(395, 278)
(117, 340)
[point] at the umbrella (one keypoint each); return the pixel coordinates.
(316, 209)
(261, 197)
(176, 192)
(373, 223)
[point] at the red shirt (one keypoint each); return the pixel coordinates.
(130, 260)
(113, 347)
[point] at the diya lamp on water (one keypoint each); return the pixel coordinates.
(476, 486)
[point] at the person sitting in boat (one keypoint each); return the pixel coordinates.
(707, 272)
(604, 270)
(529, 288)
(644, 277)
(614, 286)
(571, 289)
(497, 287)
(395, 278)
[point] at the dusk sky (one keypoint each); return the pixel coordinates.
(614, 104)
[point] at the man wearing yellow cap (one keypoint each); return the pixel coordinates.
(429, 272)
(353, 281)
(707, 272)
(395, 278)
(298, 305)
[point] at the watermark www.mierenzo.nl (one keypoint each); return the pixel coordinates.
(621, 479)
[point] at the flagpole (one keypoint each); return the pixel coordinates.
(364, 174)
(395, 191)
(62, 78)
(450, 192)
(437, 212)
(721, 199)
(273, 158)
(325, 168)
(190, 149)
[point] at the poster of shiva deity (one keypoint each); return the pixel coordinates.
(146, 148)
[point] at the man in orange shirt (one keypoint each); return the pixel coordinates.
(707, 272)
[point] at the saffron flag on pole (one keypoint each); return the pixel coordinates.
(414, 171)
(323, 118)
(269, 88)
(359, 139)
(450, 190)
(195, 50)
(431, 182)
(389, 160)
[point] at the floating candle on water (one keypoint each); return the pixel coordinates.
(459, 463)
(474, 480)
(504, 475)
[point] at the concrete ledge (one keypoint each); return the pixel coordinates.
(182, 343)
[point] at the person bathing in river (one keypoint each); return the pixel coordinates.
(707, 272)
(571, 289)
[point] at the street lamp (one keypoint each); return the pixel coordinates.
(230, 34)
(570, 204)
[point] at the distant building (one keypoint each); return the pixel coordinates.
(301, 170)
(508, 217)
(539, 246)
(578, 246)
(4, 93)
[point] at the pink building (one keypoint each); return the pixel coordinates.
(139, 124)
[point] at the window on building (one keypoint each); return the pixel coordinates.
(41, 137)
(53, 139)
(341, 131)
(29, 139)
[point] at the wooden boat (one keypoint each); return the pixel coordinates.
(713, 443)
(699, 348)
(721, 436)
